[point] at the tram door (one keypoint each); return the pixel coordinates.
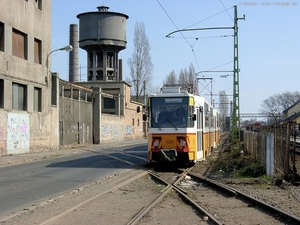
(199, 132)
(215, 130)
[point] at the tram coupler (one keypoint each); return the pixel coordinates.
(168, 155)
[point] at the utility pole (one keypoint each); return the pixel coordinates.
(236, 129)
(211, 87)
(235, 123)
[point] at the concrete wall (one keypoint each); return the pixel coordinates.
(123, 122)
(112, 128)
(26, 130)
(75, 114)
(29, 130)
(75, 122)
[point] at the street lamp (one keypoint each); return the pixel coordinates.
(67, 48)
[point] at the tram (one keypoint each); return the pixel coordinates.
(182, 126)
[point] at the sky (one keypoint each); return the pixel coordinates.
(268, 43)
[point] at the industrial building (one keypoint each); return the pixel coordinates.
(39, 111)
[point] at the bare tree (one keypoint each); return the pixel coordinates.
(272, 107)
(140, 64)
(191, 74)
(171, 78)
(275, 105)
(192, 79)
(186, 79)
(223, 107)
(183, 77)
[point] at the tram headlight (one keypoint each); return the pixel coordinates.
(156, 143)
(182, 143)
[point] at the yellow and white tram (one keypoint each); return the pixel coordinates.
(182, 126)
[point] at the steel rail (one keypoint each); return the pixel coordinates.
(138, 176)
(174, 186)
(248, 197)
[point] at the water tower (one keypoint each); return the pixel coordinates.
(102, 34)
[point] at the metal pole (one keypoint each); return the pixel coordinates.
(236, 139)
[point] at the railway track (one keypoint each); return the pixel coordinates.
(151, 197)
(219, 204)
(250, 203)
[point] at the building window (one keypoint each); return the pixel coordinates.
(19, 44)
(54, 90)
(83, 95)
(99, 59)
(90, 96)
(61, 88)
(90, 77)
(1, 93)
(37, 51)
(1, 37)
(19, 97)
(38, 4)
(99, 75)
(91, 60)
(109, 103)
(110, 59)
(37, 100)
(132, 122)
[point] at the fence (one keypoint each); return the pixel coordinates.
(274, 147)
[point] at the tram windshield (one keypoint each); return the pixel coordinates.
(170, 112)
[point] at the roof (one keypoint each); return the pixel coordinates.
(292, 117)
(287, 109)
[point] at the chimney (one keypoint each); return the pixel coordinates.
(73, 55)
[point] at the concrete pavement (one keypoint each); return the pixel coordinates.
(29, 157)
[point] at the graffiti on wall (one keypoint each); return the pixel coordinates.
(17, 133)
(87, 132)
(110, 131)
(128, 129)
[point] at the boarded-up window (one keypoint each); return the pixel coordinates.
(19, 44)
(1, 37)
(1, 93)
(19, 97)
(38, 4)
(37, 51)
(37, 100)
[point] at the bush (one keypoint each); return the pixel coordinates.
(252, 170)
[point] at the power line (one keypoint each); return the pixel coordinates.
(209, 17)
(180, 34)
(226, 10)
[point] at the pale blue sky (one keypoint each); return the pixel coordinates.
(269, 46)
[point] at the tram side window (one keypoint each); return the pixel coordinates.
(206, 115)
(190, 122)
(211, 115)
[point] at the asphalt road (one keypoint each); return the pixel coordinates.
(26, 184)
